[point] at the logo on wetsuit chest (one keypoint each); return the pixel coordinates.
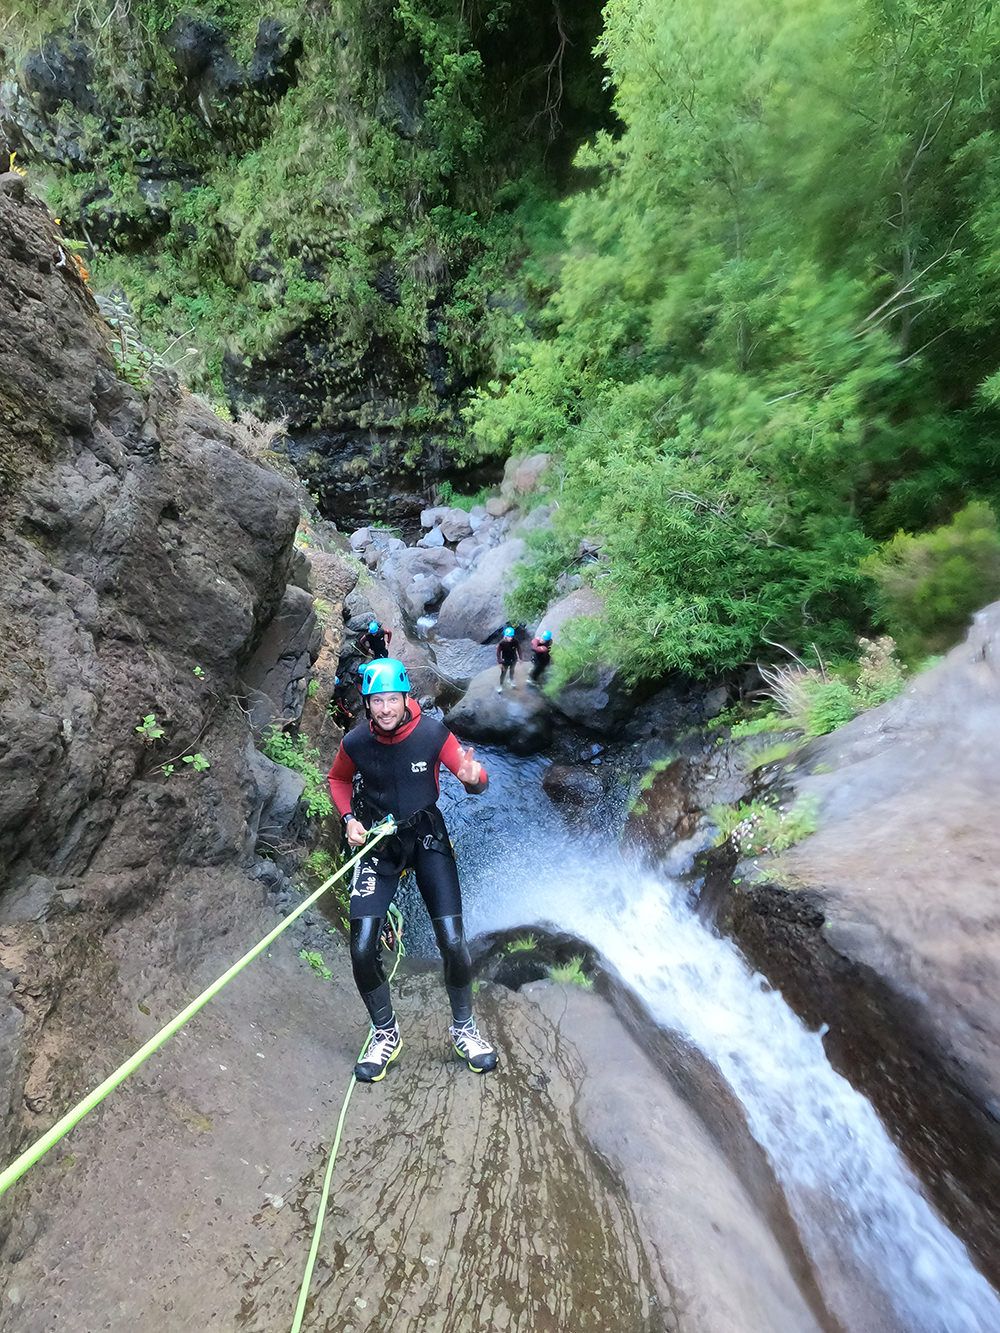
(419, 766)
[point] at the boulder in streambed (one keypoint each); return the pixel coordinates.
(475, 609)
(414, 576)
(519, 718)
(602, 701)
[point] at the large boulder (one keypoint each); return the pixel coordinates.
(332, 576)
(601, 701)
(455, 525)
(519, 718)
(277, 676)
(522, 475)
(458, 660)
(475, 609)
(414, 576)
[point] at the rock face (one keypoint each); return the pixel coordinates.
(891, 933)
(144, 562)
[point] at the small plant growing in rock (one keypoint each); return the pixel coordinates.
(571, 973)
(523, 944)
(312, 688)
(197, 761)
(757, 828)
(149, 729)
(320, 864)
(199, 672)
(317, 962)
(296, 753)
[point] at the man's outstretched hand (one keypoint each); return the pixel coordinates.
(469, 770)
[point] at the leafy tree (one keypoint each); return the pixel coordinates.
(773, 337)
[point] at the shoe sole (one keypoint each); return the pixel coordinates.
(377, 1078)
(462, 1056)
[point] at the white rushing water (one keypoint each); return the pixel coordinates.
(857, 1204)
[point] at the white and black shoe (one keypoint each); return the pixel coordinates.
(473, 1047)
(381, 1048)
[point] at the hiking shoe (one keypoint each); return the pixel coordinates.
(499, 689)
(381, 1048)
(473, 1047)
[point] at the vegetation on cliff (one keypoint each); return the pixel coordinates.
(365, 175)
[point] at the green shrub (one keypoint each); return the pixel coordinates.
(317, 962)
(296, 753)
(771, 754)
(931, 584)
(828, 705)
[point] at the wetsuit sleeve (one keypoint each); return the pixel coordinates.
(499, 662)
(341, 780)
(451, 757)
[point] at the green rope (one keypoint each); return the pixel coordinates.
(61, 1128)
(397, 924)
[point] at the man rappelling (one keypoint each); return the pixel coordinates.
(397, 752)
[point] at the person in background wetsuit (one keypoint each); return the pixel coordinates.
(398, 753)
(541, 656)
(508, 656)
(374, 642)
(339, 706)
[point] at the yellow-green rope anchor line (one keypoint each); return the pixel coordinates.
(62, 1127)
(397, 924)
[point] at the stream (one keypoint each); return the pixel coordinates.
(882, 1256)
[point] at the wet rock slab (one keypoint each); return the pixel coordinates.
(539, 1199)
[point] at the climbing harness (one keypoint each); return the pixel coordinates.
(62, 1127)
(396, 924)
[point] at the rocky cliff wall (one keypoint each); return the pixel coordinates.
(142, 560)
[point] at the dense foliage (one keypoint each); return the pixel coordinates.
(773, 342)
(384, 199)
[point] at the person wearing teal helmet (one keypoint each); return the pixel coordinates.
(374, 642)
(508, 656)
(397, 753)
(541, 656)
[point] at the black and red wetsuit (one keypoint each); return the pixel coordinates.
(375, 645)
(541, 656)
(400, 775)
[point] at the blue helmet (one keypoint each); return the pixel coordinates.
(336, 680)
(547, 636)
(373, 627)
(509, 632)
(386, 675)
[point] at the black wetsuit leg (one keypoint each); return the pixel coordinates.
(437, 880)
(539, 666)
(366, 960)
(373, 887)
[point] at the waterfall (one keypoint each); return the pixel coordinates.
(858, 1206)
